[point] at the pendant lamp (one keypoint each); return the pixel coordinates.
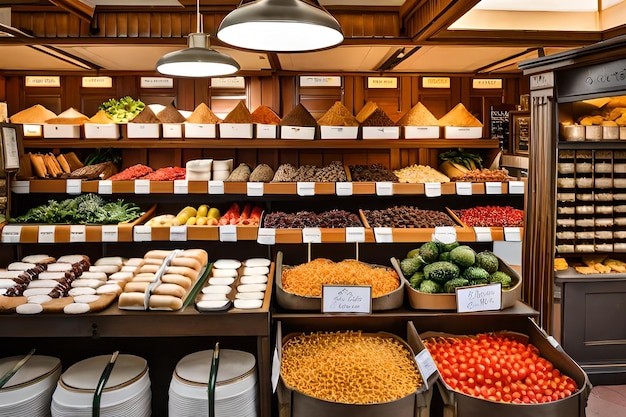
(280, 26)
(198, 60)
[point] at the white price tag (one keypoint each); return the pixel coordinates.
(105, 187)
(343, 188)
(216, 187)
(20, 187)
(445, 234)
(255, 189)
(266, 236)
(142, 186)
(73, 186)
(178, 233)
(493, 188)
(77, 233)
(142, 234)
(346, 299)
(11, 233)
(512, 234)
(109, 233)
(228, 233)
(553, 342)
(516, 187)
(463, 188)
(306, 188)
(311, 235)
(383, 234)
(181, 187)
(355, 234)
(384, 188)
(483, 234)
(46, 234)
(479, 298)
(426, 365)
(432, 189)
(275, 370)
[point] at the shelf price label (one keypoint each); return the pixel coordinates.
(142, 186)
(305, 188)
(45, 234)
(432, 189)
(311, 235)
(181, 187)
(216, 187)
(445, 234)
(109, 233)
(11, 233)
(463, 188)
(178, 233)
(142, 233)
(479, 298)
(255, 189)
(20, 187)
(516, 187)
(512, 234)
(346, 299)
(426, 365)
(483, 234)
(383, 234)
(228, 233)
(77, 233)
(266, 236)
(73, 186)
(105, 187)
(493, 187)
(384, 188)
(355, 234)
(343, 188)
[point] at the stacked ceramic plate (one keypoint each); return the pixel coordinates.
(126, 393)
(236, 392)
(29, 391)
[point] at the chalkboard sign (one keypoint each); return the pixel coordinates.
(500, 122)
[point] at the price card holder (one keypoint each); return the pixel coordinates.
(383, 234)
(493, 188)
(426, 365)
(343, 188)
(228, 233)
(346, 299)
(181, 187)
(384, 188)
(11, 233)
(554, 343)
(445, 234)
(142, 234)
(255, 189)
(109, 233)
(142, 186)
(216, 187)
(105, 187)
(479, 298)
(77, 233)
(73, 186)
(305, 188)
(266, 236)
(46, 234)
(512, 234)
(463, 188)
(20, 187)
(355, 234)
(516, 187)
(178, 233)
(432, 189)
(483, 234)
(311, 235)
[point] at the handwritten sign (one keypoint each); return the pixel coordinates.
(426, 365)
(479, 298)
(346, 299)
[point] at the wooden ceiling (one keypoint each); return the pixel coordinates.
(411, 36)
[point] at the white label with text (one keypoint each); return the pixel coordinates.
(479, 298)
(346, 299)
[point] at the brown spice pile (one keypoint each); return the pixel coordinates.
(70, 116)
(240, 114)
(263, 115)
(378, 118)
(299, 116)
(146, 116)
(170, 115)
(338, 115)
(203, 115)
(418, 115)
(34, 114)
(101, 118)
(459, 116)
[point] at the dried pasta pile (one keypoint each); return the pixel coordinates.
(307, 279)
(349, 367)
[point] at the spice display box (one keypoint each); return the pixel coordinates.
(264, 131)
(460, 132)
(172, 130)
(102, 131)
(236, 130)
(297, 132)
(380, 132)
(142, 130)
(200, 130)
(339, 132)
(422, 132)
(55, 131)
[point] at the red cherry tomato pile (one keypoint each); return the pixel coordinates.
(497, 368)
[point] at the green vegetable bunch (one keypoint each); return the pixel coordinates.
(460, 156)
(122, 110)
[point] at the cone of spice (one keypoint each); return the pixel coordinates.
(146, 116)
(70, 116)
(240, 114)
(203, 115)
(101, 118)
(418, 115)
(36, 114)
(263, 115)
(366, 111)
(378, 118)
(338, 115)
(170, 114)
(460, 116)
(299, 116)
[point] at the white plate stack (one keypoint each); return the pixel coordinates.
(236, 391)
(126, 393)
(29, 391)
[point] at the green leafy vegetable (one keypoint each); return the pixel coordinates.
(122, 110)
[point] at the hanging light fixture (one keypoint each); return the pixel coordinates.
(199, 60)
(280, 26)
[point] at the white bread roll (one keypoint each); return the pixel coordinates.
(133, 300)
(133, 262)
(110, 260)
(72, 259)
(156, 253)
(152, 261)
(200, 254)
(165, 302)
(20, 266)
(91, 283)
(136, 286)
(192, 263)
(7, 283)
(170, 289)
(182, 270)
(42, 283)
(102, 276)
(51, 275)
(177, 279)
(38, 259)
(107, 269)
(9, 274)
(59, 267)
(148, 268)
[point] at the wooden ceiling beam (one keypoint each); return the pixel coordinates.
(82, 9)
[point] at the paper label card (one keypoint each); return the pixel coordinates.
(512, 234)
(343, 188)
(383, 234)
(46, 234)
(516, 187)
(305, 188)
(181, 187)
(178, 233)
(255, 189)
(384, 188)
(346, 299)
(426, 365)
(142, 234)
(109, 233)
(493, 188)
(445, 234)
(105, 187)
(142, 186)
(432, 189)
(73, 186)
(77, 233)
(483, 234)
(355, 234)
(266, 236)
(479, 298)
(463, 188)
(228, 233)
(216, 187)
(20, 187)
(311, 235)
(11, 233)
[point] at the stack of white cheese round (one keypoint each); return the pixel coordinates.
(235, 283)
